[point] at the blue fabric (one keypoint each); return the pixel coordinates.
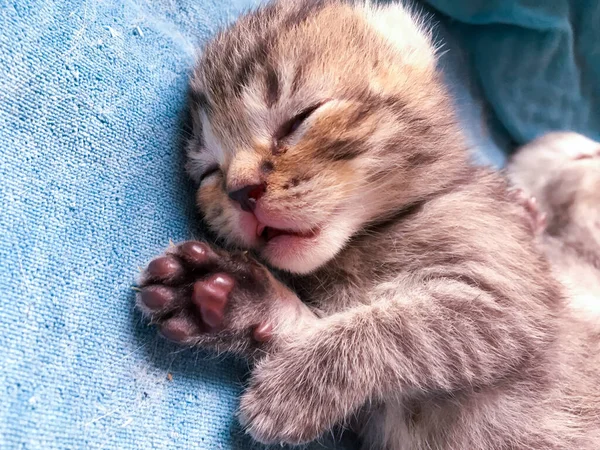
(537, 62)
(91, 186)
(488, 140)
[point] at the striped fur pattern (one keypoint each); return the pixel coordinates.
(433, 319)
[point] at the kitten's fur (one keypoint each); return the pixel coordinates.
(430, 319)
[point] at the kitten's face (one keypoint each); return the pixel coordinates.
(306, 127)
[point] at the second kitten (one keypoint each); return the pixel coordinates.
(561, 171)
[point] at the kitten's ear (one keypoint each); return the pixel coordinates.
(408, 31)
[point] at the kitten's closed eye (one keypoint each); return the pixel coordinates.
(212, 170)
(289, 127)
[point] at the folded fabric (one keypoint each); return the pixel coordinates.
(538, 62)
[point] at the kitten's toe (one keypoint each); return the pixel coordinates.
(180, 329)
(164, 269)
(156, 298)
(197, 254)
(535, 218)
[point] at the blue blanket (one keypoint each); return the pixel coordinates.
(537, 62)
(92, 186)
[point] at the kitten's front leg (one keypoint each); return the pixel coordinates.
(439, 336)
(200, 295)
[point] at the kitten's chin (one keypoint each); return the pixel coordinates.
(304, 254)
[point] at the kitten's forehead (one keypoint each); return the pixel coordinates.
(286, 47)
(283, 51)
(236, 54)
(248, 68)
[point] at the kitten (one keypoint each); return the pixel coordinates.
(567, 190)
(410, 301)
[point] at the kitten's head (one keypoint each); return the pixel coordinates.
(312, 120)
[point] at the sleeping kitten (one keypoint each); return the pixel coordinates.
(562, 171)
(410, 302)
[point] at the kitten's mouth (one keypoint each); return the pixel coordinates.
(270, 233)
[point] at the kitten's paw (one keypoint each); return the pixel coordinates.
(536, 219)
(197, 294)
(274, 419)
(284, 406)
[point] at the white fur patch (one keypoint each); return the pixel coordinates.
(405, 30)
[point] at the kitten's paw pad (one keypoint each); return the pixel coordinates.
(194, 290)
(179, 329)
(164, 269)
(157, 298)
(210, 297)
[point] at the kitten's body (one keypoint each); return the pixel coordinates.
(544, 397)
(325, 142)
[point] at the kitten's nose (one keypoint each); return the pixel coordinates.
(248, 196)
